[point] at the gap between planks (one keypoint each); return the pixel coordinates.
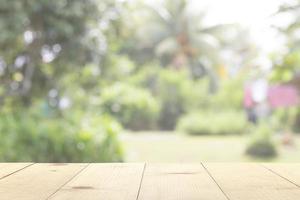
(14, 168)
(37, 181)
(282, 174)
(112, 181)
(139, 190)
(181, 181)
(210, 175)
(252, 181)
(76, 174)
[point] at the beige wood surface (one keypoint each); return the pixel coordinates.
(252, 182)
(38, 181)
(7, 169)
(132, 181)
(104, 181)
(291, 172)
(178, 181)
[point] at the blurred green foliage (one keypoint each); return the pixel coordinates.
(286, 66)
(284, 119)
(262, 144)
(69, 69)
(172, 89)
(134, 107)
(210, 123)
(52, 57)
(41, 41)
(230, 94)
(285, 70)
(27, 135)
(174, 92)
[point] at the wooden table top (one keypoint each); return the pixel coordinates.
(131, 181)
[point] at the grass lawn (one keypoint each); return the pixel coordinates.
(174, 147)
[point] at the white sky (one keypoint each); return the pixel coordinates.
(254, 14)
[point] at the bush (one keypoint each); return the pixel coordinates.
(173, 89)
(135, 108)
(284, 119)
(28, 136)
(213, 123)
(178, 93)
(230, 94)
(262, 145)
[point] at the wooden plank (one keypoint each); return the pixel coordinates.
(7, 169)
(251, 182)
(37, 181)
(291, 172)
(178, 181)
(104, 181)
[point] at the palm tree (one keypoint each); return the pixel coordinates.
(179, 38)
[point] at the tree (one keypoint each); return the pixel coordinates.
(43, 40)
(287, 67)
(171, 32)
(52, 54)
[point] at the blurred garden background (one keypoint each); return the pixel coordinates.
(154, 81)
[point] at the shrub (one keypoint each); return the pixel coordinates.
(28, 136)
(213, 123)
(173, 89)
(262, 145)
(284, 119)
(135, 108)
(230, 94)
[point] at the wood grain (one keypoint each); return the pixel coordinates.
(124, 181)
(7, 169)
(178, 181)
(251, 182)
(38, 181)
(104, 181)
